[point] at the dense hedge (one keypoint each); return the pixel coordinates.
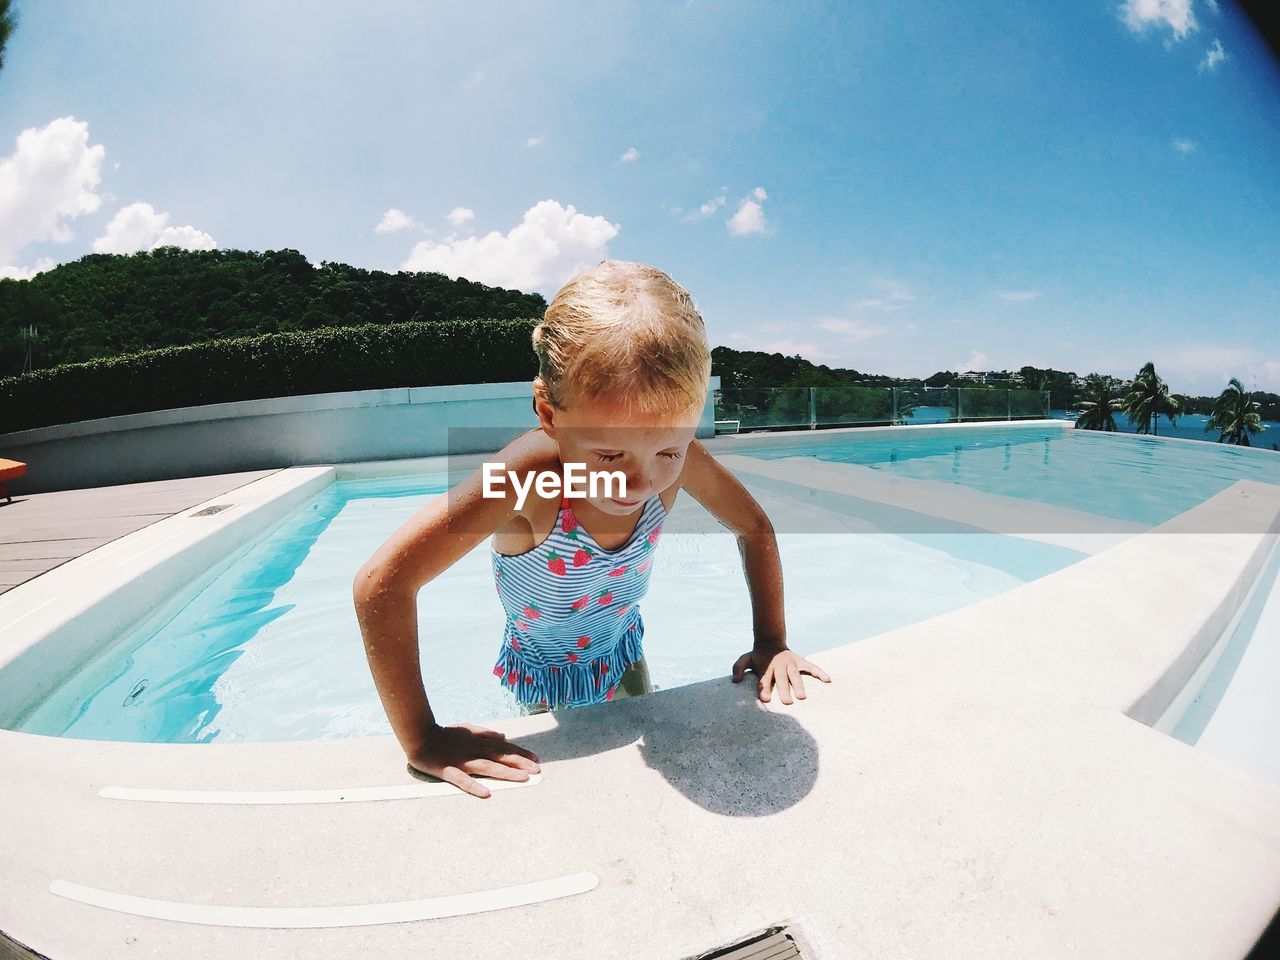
(366, 357)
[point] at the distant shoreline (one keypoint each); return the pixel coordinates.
(1189, 426)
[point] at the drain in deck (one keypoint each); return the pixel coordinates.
(210, 511)
(774, 944)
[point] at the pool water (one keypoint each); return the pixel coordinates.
(1143, 480)
(268, 647)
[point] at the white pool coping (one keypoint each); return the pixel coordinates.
(974, 785)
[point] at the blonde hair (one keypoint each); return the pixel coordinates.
(626, 331)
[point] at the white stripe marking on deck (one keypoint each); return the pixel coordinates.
(356, 915)
(408, 791)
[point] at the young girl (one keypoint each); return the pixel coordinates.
(623, 375)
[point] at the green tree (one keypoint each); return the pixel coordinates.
(7, 22)
(105, 305)
(1234, 416)
(1098, 404)
(1148, 399)
(1059, 383)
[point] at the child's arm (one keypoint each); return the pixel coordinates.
(731, 503)
(385, 592)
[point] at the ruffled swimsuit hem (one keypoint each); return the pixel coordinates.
(578, 681)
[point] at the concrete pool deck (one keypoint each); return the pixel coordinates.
(981, 784)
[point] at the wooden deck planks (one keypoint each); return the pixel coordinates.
(40, 531)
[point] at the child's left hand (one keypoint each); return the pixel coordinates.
(780, 666)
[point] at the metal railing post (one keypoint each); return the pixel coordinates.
(813, 408)
(1008, 404)
(894, 391)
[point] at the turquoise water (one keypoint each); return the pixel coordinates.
(268, 647)
(1144, 480)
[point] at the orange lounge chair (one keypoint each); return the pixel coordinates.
(10, 470)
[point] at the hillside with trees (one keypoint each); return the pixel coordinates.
(109, 305)
(752, 368)
(105, 305)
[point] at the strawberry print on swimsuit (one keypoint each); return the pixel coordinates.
(573, 610)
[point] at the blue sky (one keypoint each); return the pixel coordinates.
(897, 187)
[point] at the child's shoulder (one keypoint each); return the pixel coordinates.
(528, 455)
(532, 450)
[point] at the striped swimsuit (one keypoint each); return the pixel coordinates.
(573, 610)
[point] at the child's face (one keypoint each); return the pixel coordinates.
(648, 449)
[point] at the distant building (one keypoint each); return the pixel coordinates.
(989, 376)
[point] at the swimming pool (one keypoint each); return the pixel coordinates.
(267, 646)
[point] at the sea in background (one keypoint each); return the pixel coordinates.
(1189, 426)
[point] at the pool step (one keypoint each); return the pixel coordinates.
(931, 506)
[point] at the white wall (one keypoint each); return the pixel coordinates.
(278, 432)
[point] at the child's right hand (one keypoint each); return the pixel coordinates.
(453, 753)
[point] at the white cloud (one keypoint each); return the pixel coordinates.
(749, 217)
(26, 273)
(393, 221)
(534, 141)
(140, 227)
(630, 154)
(474, 79)
(893, 296)
(707, 209)
(1175, 14)
(1183, 145)
(1266, 374)
(187, 237)
(1213, 56)
(977, 361)
(460, 215)
(550, 244)
(788, 348)
(1205, 368)
(854, 331)
(52, 176)
(1213, 5)
(1017, 296)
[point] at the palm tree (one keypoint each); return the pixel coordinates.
(1235, 416)
(1098, 404)
(7, 22)
(1149, 398)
